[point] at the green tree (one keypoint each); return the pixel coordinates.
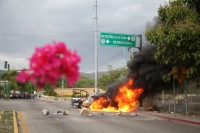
(177, 38)
(84, 82)
(49, 90)
(113, 76)
(193, 5)
(1, 88)
(10, 77)
(59, 83)
(26, 87)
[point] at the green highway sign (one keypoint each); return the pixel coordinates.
(116, 39)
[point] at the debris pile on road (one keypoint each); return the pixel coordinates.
(65, 112)
(133, 114)
(61, 99)
(85, 112)
(101, 114)
(120, 113)
(45, 112)
(59, 112)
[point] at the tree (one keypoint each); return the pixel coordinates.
(193, 5)
(113, 76)
(1, 88)
(10, 77)
(49, 90)
(26, 87)
(59, 82)
(177, 38)
(84, 82)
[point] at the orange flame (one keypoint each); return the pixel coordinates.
(126, 99)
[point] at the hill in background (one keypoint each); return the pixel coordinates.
(88, 75)
(92, 75)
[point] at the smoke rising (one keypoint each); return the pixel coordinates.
(144, 69)
(153, 23)
(146, 73)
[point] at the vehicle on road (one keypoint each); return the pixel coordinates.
(95, 96)
(78, 96)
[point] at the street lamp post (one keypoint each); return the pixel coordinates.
(62, 85)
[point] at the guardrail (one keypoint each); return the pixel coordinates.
(1, 114)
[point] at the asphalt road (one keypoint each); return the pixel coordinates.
(35, 122)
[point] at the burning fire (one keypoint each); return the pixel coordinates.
(126, 99)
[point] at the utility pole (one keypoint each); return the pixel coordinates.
(96, 50)
(140, 36)
(131, 50)
(62, 85)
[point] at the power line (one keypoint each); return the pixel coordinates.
(114, 28)
(7, 8)
(43, 23)
(119, 17)
(40, 35)
(60, 24)
(105, 61)
(22, 62)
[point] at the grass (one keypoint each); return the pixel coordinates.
(6, 122)
(67, 98)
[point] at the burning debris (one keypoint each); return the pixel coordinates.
(144, 75)
(125, 99)
(152, 108)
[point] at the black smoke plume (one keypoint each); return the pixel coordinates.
(146, 73)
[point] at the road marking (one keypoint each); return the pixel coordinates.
(22, 122)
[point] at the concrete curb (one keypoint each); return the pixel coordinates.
(1, 114)
(176, 119)
(45, 100)
(15, 122)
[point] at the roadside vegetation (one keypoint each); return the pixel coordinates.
(6, 122)
(176, 34)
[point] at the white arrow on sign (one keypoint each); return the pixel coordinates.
(128, 38)
(107, 41)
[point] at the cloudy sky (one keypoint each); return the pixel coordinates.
(27, 24)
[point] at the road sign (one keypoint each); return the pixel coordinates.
(116, 39)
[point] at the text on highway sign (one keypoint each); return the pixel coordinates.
(116, 39)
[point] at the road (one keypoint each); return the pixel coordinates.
(35, 122)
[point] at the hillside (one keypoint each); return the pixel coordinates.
(92, 75)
